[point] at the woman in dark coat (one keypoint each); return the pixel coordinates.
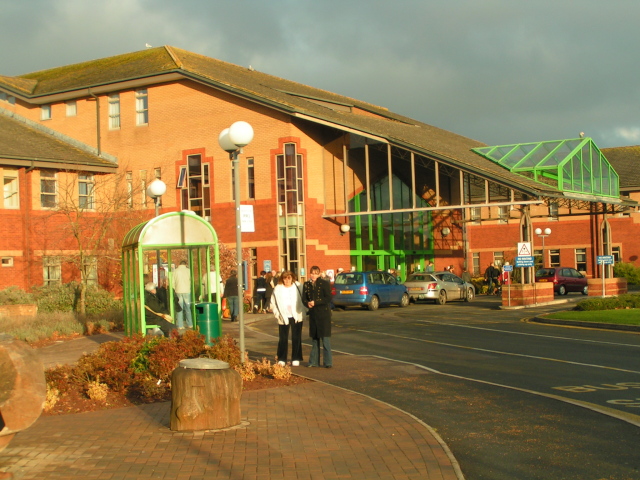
(317, 294)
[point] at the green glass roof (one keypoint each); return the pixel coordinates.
(575, 165)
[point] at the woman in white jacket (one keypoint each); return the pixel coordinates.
(287, 306)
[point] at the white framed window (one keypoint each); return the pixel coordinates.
(7, 261)
(52, 270)
(476, 264)
(129, 179)
(45, 112)
(475, 214)
(581, 259)
(553, 211)
(143, 187)
(142, 107)
(11, 196)
(617, 254)
(90, 270)
(498, 258)
(114, 111)
(503, 214)
(554, 258)
(85, 192)
(72, 108)
(48, 189)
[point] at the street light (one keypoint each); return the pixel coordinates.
(155, 190)
(232, 140)
(547, 232)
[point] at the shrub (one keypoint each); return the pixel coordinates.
(15, 296)
(63, 298)
(628, 271)
(42, 326)
(626, 300)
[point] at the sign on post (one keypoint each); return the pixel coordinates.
(524, 261)
(524, 249)
(605, 259)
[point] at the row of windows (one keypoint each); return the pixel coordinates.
(549, 257)
(504, 213)
(52, 269)
(141, 117)
(48, 189)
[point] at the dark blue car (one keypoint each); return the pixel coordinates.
(368, 289)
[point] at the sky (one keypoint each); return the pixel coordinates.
(497, 71)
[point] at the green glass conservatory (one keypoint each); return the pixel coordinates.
(574, 165)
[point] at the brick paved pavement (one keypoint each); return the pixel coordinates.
(308, 431)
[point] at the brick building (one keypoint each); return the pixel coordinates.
(333, 181)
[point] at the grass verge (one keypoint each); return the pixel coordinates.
(629, 316)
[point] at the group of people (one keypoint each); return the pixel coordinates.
(290, 303)
(495, 278)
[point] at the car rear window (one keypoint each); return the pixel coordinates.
(419, 278)
(546, 272)
(349, 279)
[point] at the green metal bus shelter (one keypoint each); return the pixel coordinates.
(182, 235)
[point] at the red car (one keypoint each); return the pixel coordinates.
(565, 279)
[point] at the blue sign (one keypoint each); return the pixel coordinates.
(266, 265)
(605, 259)
(508, 268)
(524, 261)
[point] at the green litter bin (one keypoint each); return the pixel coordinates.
(208, 321)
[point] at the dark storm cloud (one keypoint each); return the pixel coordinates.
(498, 71)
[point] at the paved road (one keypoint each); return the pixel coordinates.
(507, 396)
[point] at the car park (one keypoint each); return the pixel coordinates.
(565, 279)
(439, 287)
(370, 289)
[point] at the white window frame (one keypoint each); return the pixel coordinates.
(553, 211)
(142, 107)
(91, 269)
(7, 261)
(11, 189)
(114, 111)
(86, 200)
(45, 112)
(476, 215)
(51, 270)
(503, 213)
(46, 194)
(72, 108)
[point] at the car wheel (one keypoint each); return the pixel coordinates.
(585, 290)
(562, 290)
(469, 296)
(404, 301)
(375, 303)
(442, 298)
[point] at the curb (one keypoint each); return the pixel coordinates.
(576, 323)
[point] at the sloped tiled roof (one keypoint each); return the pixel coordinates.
(23, 143)
(626, 161)
(284, 95)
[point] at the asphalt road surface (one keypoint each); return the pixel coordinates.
(512, 399)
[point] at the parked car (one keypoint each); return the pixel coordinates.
(439, 287)
(368, 289)
(565, 279)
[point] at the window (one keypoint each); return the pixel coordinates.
(7, 261)
(157, 173)
(45, 112)
(194, 182)
(475, 213)
(48, 187)
(85, 192)
(72, 108)
(90, 270)
(143, 187)
(129, 179)
(251, 178)
(114, 111)
(538, 258)
(553, 211)
(498, 258)
(503, 214)
(554, 258)
(142, 107)
(7, 98)
(581, 259)
(254, 264)
(617, 254)
(51, 270)
(10, 192)
(476, 264)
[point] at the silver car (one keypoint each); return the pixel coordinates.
(439, 287)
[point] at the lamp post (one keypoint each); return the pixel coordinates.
(232, 139)
(539, 232)
(155, 190)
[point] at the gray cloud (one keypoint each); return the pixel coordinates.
(499, 71)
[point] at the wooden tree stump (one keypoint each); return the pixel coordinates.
(205, 395)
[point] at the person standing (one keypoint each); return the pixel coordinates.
(466, 276)
(317, 294)
(287, 307)
(269, 291)
(211, 280)
(231, 294)
(182, 287)
(491, 275)
(259, 293)
(429, 268)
